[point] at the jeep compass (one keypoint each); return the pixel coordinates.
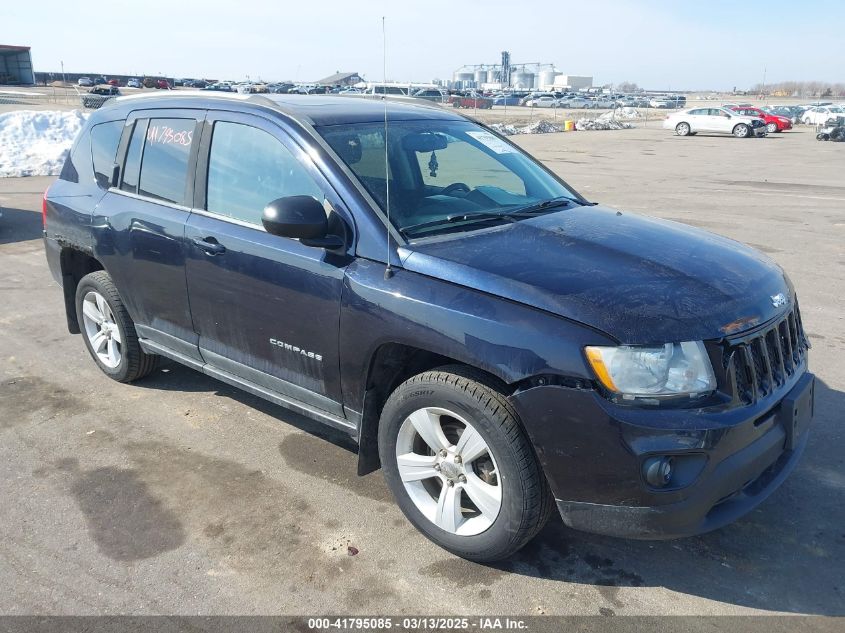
(499, 346)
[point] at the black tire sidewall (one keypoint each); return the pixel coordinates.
(494, 542)
(106, 289)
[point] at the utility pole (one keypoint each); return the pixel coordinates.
(763, 88)
(63, 73)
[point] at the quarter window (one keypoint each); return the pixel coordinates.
(164, 168)
(249, 168)
(104, 140)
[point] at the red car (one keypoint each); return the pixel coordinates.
(774, 123)
(481, 103)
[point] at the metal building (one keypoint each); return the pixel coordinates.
(574, 82)
(16, 65)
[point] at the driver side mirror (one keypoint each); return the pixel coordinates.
(302, 218)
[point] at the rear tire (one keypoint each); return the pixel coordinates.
(482, 497)
(682, 129)
(108, 330)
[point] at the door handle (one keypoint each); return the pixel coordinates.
(210, 246)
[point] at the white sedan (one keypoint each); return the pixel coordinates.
(714, 120)
(542, 102)
(820, 114)
(573, 102)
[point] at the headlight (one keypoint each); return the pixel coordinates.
(673, 369)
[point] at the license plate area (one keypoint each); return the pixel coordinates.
(796, 410)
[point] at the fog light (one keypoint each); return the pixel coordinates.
(658, 471)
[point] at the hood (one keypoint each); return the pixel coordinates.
(641, 280)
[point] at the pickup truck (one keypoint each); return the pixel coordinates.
(497, 344)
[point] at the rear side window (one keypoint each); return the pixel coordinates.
(104, 140)
(249, 168)
(164, 166)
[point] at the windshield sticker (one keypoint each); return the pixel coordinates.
(493, 142)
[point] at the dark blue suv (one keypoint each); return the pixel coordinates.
(497, 344)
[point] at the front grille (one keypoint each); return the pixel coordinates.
(762, 362)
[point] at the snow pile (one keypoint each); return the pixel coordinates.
(505, 129)
(540, 127)
(624, 113)
(35, 143)
(604, 122)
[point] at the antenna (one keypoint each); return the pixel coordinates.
(388, 272)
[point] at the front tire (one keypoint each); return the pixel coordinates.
(741, 131)
(460, 465)
(682, 129)
(771, 128)
(108, 330)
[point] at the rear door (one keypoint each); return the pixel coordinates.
(139, 225)
(698, 120)
(266, 308)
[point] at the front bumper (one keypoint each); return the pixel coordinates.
(759, 131)
(593, 458)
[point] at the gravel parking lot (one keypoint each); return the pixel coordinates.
(181, 495)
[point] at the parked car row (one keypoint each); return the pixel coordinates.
(820, 115)
(578, 100)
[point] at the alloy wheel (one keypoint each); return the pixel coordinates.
(101, 329)
(741, 130)
(448, 471)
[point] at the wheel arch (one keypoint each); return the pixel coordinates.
(75, 264)
(390, 365)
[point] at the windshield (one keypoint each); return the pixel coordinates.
(444, 175)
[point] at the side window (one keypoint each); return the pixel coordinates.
(247, 168)
(132, 165)
(699, 112)
(164, 168)
(104, 140)
(460, 162)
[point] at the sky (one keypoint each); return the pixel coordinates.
(658, 44)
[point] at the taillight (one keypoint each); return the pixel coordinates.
(44, 210)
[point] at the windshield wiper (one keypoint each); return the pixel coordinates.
(537, 207)
(470, 218)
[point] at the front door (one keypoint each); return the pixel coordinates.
(722, 121)
(266, 308)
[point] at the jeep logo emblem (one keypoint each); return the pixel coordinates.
(778, 300)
